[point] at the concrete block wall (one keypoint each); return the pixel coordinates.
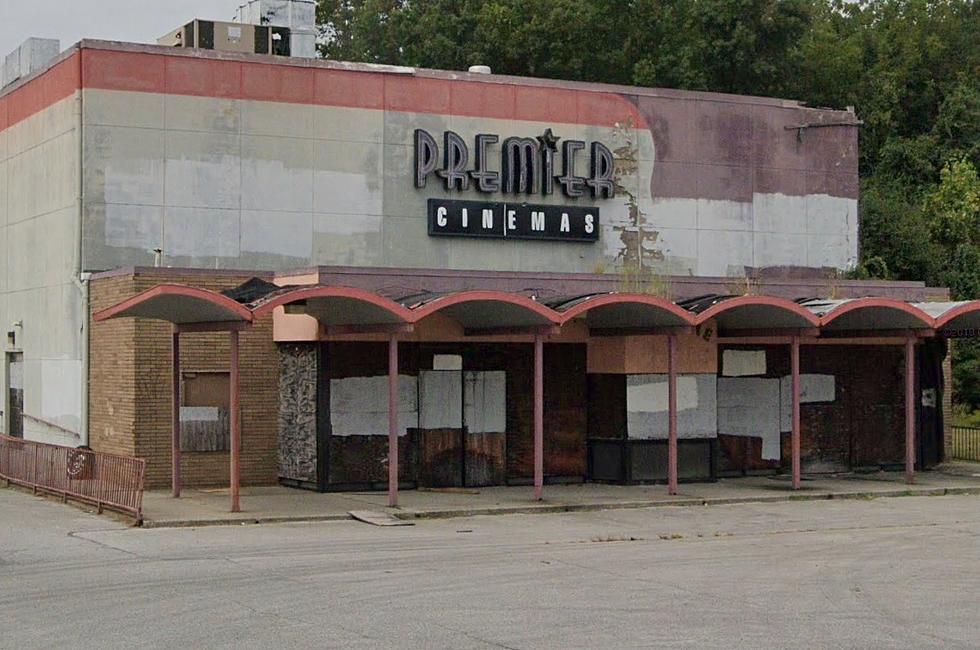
(244, 162)
(131, 369)
(40, 290)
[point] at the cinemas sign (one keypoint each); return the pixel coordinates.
(528, 166)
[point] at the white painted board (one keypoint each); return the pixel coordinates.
(647, 401)
(359, 405)
(485, 399)
(743, 363)
(440, 399)
(749, 406)
(813, 388)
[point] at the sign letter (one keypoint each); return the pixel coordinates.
(426, 151)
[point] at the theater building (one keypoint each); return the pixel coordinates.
(553, 281)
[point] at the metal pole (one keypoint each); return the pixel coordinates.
(909, 410)
(671, 414)
(795, 363)
(175, 413)
(538, 416)
(392, 421)
(235, 425)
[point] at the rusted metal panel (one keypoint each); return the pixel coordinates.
(486, 459)
(363, 460)
(440, 457)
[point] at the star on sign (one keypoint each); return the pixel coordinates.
(548, 140)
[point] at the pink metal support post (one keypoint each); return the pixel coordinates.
(910, 410)
(795, 364)
(175, 414)
(538, 416)
(234, 423)
(671, 413)
(392, 420)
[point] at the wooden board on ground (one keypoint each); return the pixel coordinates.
(378, 518)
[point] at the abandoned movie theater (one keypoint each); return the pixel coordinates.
(264, 268)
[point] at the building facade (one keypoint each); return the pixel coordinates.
(123, 166)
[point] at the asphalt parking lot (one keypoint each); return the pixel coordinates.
(885, 573)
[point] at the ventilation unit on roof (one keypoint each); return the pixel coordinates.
(230, 37)
(32, 55)
(298, 15)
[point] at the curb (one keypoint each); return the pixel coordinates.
(544, 509)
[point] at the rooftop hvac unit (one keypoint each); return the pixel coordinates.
(230, 37)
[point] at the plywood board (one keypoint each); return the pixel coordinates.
(647, 401)
(485, 399)
(743, 363)
(359, 405)
(378, 518)
(749, 406)
(440, 399)
(814, 389)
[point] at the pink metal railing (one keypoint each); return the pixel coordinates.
(104, 480)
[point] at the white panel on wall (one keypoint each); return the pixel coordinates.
(742, 363)
(61, 400)
(813, 388)
(199, 413)
(440, 399)
(646, 406)
(649, 393)
(359, 405)
(447, 362)
(485, 398)
(749, 406)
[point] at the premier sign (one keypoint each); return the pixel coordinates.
(514, 220)
(527, 166)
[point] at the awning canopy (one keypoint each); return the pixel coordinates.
(951, 317)
(751, 312)
(335, 305)
(622, 311)
(868, 314)
(485, 311)
(179, 304)
(482, 310)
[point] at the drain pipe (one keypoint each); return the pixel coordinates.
(80, 278)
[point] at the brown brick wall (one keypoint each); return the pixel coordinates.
(130, 374)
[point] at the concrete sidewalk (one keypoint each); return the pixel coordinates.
(277, 504)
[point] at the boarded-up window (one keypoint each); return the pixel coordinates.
(204, 421)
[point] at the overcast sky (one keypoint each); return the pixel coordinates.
(140, 21)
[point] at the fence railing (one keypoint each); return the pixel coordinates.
(104, 480)
(966, 443)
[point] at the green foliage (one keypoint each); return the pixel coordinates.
(966, 374)
(911, 69)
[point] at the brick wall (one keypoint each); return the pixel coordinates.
(130, 375)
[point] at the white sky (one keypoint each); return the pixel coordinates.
(138, 21)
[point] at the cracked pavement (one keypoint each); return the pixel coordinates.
(884, 573)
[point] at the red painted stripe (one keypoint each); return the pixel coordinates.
(208, 77)
(123, 71)
(348, 89)
(203, 77)
(52, 86)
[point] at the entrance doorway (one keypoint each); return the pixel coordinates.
(462, 424)
(15, 394)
